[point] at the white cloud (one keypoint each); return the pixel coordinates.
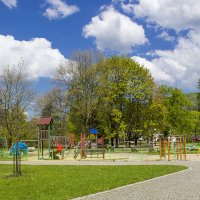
(114, 31)
(180, 67)
(40, 59)
(165, 35)
(59, 9)
(10, 3)
(178, 15)
(157, 73)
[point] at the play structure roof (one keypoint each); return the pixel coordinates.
(44, 121)
(93, 131)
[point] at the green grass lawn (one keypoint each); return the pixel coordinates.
(66, 182)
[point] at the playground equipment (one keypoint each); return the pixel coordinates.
(94, 146)
(3, 146)
(45, 130)
(58, 146)
(54, 145)
(71, 143)
(173, 145)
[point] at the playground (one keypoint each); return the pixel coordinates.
(92, 146)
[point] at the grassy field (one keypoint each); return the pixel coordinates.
(66, 182)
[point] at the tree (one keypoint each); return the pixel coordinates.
(78, 77)
(53, 104)
(198, 96)
(125, 89)
(156, 117)
(178, 106)
(16, 94)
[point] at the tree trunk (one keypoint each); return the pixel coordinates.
(112, 142)
(135, 141)
(9, 142)
(116, 141)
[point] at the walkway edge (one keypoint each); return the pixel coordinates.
(130, 185)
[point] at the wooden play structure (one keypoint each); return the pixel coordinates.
(71, 141)
(173, 147)
(51, 146)
(45, 131)
(91, 145)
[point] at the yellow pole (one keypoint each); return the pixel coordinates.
(160, 148)
(177, 149)
(181, 148)
(169, 159)
(165, 147)
(185, 152)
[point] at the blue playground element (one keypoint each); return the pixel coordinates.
(21, 146)
(93, 131)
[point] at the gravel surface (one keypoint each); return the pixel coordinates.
(184, 185)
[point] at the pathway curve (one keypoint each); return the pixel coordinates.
(184, 185)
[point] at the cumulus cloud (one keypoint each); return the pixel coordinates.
(178, 15)
(165, 36)
(158, 74)
(114, 31)
(178, 67)
(59, 9)
(10, 3)
(40, 59)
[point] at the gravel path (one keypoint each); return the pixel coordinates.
(184, 185)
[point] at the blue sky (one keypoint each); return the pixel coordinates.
(162, 35)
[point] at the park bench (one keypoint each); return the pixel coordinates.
(96, 152)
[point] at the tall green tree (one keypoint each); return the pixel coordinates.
(125, 88)
(16, 94)
(178, 107)
(79, 78)
(53, 104)
(198, 96)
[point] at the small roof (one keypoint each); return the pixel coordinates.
(93, 131)
(45, 121)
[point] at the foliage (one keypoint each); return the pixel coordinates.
(179, 111)
(193, 98)
(79, 77)
(115, 95)
(53, 104)
(125, 88)
(16, 94)
(198, 96)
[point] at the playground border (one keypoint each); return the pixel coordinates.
(100, 162)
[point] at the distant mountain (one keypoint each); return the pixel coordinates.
(193, 99)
